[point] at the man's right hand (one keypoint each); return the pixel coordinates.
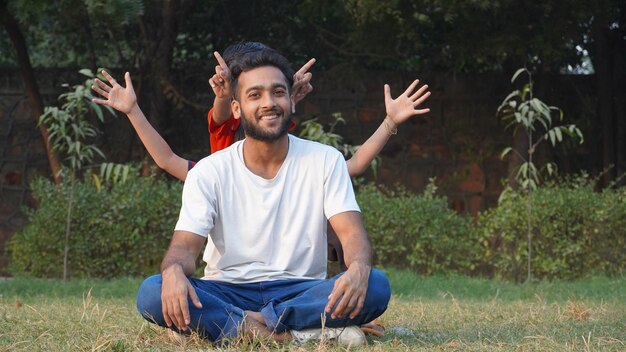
(175, 291)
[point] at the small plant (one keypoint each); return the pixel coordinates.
(524, 111)
(70, 136)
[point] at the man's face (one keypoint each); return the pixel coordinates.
(263, 103)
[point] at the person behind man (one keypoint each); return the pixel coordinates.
(264, 203)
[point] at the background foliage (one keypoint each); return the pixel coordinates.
(576, 232)
(124, 228)
(121, 230)
(417, 231)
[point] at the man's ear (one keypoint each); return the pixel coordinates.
(236, 109)
(293, 105)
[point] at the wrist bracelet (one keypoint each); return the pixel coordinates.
(389, 129)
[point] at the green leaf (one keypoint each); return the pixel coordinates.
(552, 137)
(505, 152)
(517, 73)
(559, 135)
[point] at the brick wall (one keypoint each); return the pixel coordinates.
(458, 142)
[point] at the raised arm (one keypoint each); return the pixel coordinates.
(398, 110)
(221, 85)
(124, 100)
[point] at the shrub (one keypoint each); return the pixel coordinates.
(576, 232)
(418, 232)
(122, 230)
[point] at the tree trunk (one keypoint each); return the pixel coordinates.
(604, 71)
(30, 83)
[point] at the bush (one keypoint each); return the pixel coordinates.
(417, 232)
(122, 230)
(576, 232)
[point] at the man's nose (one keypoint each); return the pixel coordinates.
(268, 101)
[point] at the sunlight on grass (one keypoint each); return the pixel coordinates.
(443, 314)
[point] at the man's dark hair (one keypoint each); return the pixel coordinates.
(258, 58)
(236, 50)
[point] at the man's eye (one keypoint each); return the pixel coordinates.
(254, 95)
(280, 92)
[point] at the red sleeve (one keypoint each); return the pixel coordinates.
(221, 136)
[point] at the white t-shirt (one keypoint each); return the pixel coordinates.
(266, 229)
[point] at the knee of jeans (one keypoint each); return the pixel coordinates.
(379, 287)
(149, 297)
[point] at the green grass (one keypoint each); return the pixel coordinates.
(426, 313)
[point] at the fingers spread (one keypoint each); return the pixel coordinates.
(102, 85)
(411, 87)
(421, 99)
(109, 77)
(129, 83)
(387, 93)
(419, 92)
(100, 91)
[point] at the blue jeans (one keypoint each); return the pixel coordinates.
(284, 304)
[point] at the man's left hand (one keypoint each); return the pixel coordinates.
(348, 295)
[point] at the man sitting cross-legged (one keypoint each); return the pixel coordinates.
(264, 202)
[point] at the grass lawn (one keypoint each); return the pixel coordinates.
(440, 314)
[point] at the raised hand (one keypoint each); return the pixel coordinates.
(220, 82)
(301, 82)
(119, 98)
(406, 105)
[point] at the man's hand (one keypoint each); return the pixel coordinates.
(174, 292)
(220, 82)
(119, 98)
(302, 82)
(400, 109)
(349, 290)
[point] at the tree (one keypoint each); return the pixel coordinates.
(30, 83)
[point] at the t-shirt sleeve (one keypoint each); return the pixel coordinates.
(221, 136)
(338, 191)
(199, 206)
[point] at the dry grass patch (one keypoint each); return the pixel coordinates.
(59, 317)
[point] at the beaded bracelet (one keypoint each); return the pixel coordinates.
(389, 129)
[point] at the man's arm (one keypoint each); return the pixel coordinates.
(178, 263)
(124, 100)
(398, 110)
(348, 295)
(221, 85)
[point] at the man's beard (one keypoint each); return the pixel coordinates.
(255, 131)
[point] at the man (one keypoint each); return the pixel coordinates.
(264, 203)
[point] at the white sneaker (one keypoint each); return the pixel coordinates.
(348, 336)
